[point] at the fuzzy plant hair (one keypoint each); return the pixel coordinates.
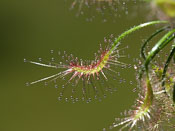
(155, 104)
(87, 73)
(154, 109)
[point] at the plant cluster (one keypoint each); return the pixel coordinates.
(154, 109)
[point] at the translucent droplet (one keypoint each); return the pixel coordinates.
(76, 99)
(27, 84)
(59, 98)
(66, 99)
(104, 95)
(104, 129)
(45, 83)
(52, 59)
(56, 86)
(134, 90)
(131, 82)
(25, 60)
(39, 59)
(51, 51)
(110, 127)
(61, 93)
(82, 98)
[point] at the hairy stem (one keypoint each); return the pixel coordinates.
(117, 40)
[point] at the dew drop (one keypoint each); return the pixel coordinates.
(66, 99)
(104, 129)
(120, 81)
(63, 86)
(59, 98)
(52, 59)
(117, 119)
(95, 96)
(73, 101)
(135, 67)
(27, 84)
(90, 99)
(110, 127)
(25, 60)
(56, 86)
(112, 35)
(87, 101)
(45, 83)
(76, 99)
(134, 90)
(129, 66)
(104, 95)
(51, 51)
(118, 73)
(82, 98)
(40, 59)
(61, 94)
(131, 82)
(124, 80)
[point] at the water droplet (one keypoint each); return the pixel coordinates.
(135, 67)
(25, 60)
(45, 83)
(124, 80)
(104, 129)
(61, 93)
(131, 82)
(66, 99)
(134, 90)
(51, 51)
(52, 59)
(118, 73)
(27, 84)
(56, 86)
(39, 59)
(59, 98)
(110, 127)
(76, 99)
(104, 95)
(82, 98)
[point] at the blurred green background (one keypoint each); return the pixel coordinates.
(30, 29)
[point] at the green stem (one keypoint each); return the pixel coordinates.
(149, 39)
(167, 64)
(174, 58)
(174, 93)
(161, 44)
(149, 93)
(117, 40)
(155, 50)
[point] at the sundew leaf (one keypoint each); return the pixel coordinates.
(89, 76)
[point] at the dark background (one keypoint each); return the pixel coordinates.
(30, 29)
